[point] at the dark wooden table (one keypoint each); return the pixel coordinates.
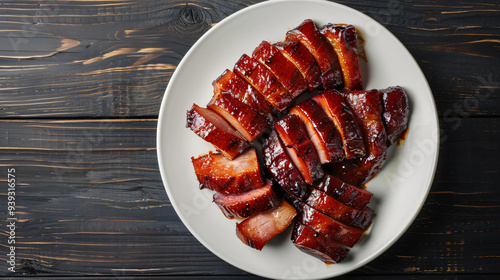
(80, 88)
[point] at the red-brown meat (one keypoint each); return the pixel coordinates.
(259, 229)
(317, 244)
(216, 172)
(246, 204)
(345, 193)
(308, 34)
(396, 112)
(214, 129)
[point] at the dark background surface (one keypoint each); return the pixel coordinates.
(81, 84)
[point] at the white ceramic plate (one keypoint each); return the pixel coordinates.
(399, 190)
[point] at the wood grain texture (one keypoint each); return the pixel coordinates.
(104, 59)
(80, 88)
(92, 201)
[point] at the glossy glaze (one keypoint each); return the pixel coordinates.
(396, 112)
(334, 104)
(317, 244)
(263, 81)
(321, 130)
(343, 38)
(331, 228)
(330, 206)
(259, 229)
(299, 148)
(308, 34)
(216, 172)
(245, 120)
(305, 62)
(281, 168)
(344, 192)
(284, 70)
(367, 107)
(214, 129)
(248, 203)
(243, 91)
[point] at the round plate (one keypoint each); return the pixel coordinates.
(400, 189)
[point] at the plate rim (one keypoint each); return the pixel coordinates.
(193, 48)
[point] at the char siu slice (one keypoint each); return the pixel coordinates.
(260, 228)
(264, 81)
(339, 211)
(215, 172)
(248, 203)
(367, 107)
(245, 120)
(299, 148)
(321, 130)
(335, 105)
(317, 244)
(396, 112)
(331, 228)
(284, 70)
(214, 129)
(282, 168)
(308, 34)
(345, 193)
(343, 38)
(300, 56)
(243, 91)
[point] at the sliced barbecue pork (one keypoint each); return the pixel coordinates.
(282, 168)
(396, 112)
(243, 91)
(335, 105)
(331, 228)
(216, 172)
(367, 107)
(343, 38)
(317, 244)
(214, 129)
(284, 70)
(264, 81)
(345, 193)
(321, 130)
(260, 228)
(245, 120)
(305, 62)
(246, 204)
(308, 34)
(330, 206)
(299, 148)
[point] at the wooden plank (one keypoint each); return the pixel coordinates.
(92, 201)
(83, 59)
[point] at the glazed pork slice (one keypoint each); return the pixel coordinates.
(281, 168)
(339, 211)
(343, 234)
(264, 81)
(346, 193)
(217, 173)
(243, 91)
(335, 105)
(308, 34)
(214, 129)
(343, 38)
(245, 120)
(396, 112)
(367, 107)
(305, 62)
(284, 70)
(321, 130)
(317, 244)
(259, 229)
(299, 148)
(248, 203)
